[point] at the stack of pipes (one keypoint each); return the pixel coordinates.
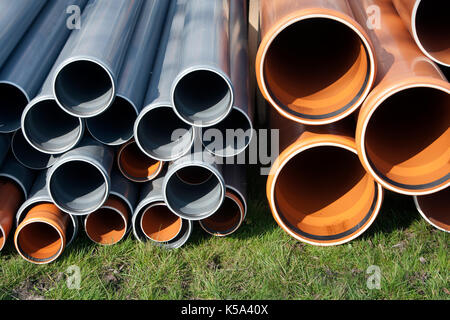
(103, 117)
(360, 106)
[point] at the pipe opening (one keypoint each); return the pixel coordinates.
(196, 200)
(50, 129)
(203, 97)
(227, 219)
(115, 125)
(436, 208)
(84, 88)
(107, 225)
(14, 102)
(159, 223)
(78, 187)
(39, 241)
(29, 156)
(433, 28)
(163, 135)
(317, 68)
(12, 197)
(407, 138)
(235, 134)
(323, 194)
(137, 166)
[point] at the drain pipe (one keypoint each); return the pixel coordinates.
(26, 68)
(233, 135)
(233, 210)
(115, 125)
(79, 182)
(154, 221)
(85, 81)
(29, 156)
(193, 187)
(326, 75)
(136, 165)
(202, 92)
(318, 191)
(158, 131)
(15, 182)
(15, 19)
(435, 209)
(109, 224)
(402, 144)
(43, 230)
(428, 23)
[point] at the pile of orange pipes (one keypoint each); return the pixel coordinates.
(360, 106)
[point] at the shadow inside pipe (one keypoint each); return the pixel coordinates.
(13, 102)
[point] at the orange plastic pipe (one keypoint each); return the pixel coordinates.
(318, 191)
(429, 24)
(159, 223)
(315, 63)
(41, 236)
(403, 131)
(109, 224)
(135, 165)
(228, 218)
(435, 209)
(11, 197)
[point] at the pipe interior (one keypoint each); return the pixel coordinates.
(105, 226)
(78, 186)
(136, 165)
(226, 219)
(159, 223)
(115, 125)
(39, 241)
(202, 97)
(194, 200)
(436, 207)
(51, 129)
(408, 136)
(433, 29)
(316, 67)
(84, 87)
(231, 137)
(323, 191)
(29, 156)
(163, 135)
(14, 102)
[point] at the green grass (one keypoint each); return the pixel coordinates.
(260, 261)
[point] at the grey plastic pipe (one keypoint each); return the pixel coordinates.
(110, 223)
(86, 78)
(39, 194)
(79, 182)
(29, 156)
(151, 197)
(233, 210)
(115, 125)
(15, 18)
(29, 64)
(13, 170)
(156, 127)
(202, 92)
(193, 187)
(233, 135)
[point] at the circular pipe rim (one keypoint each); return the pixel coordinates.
(425, 217)
(173, 170)
(25, 95)
(276, 170)
(126, 224)
(362, 129)
(99, 64)
(217, 72)
(92, 162)
(38, 148)
(144, 210)
(311, 14)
